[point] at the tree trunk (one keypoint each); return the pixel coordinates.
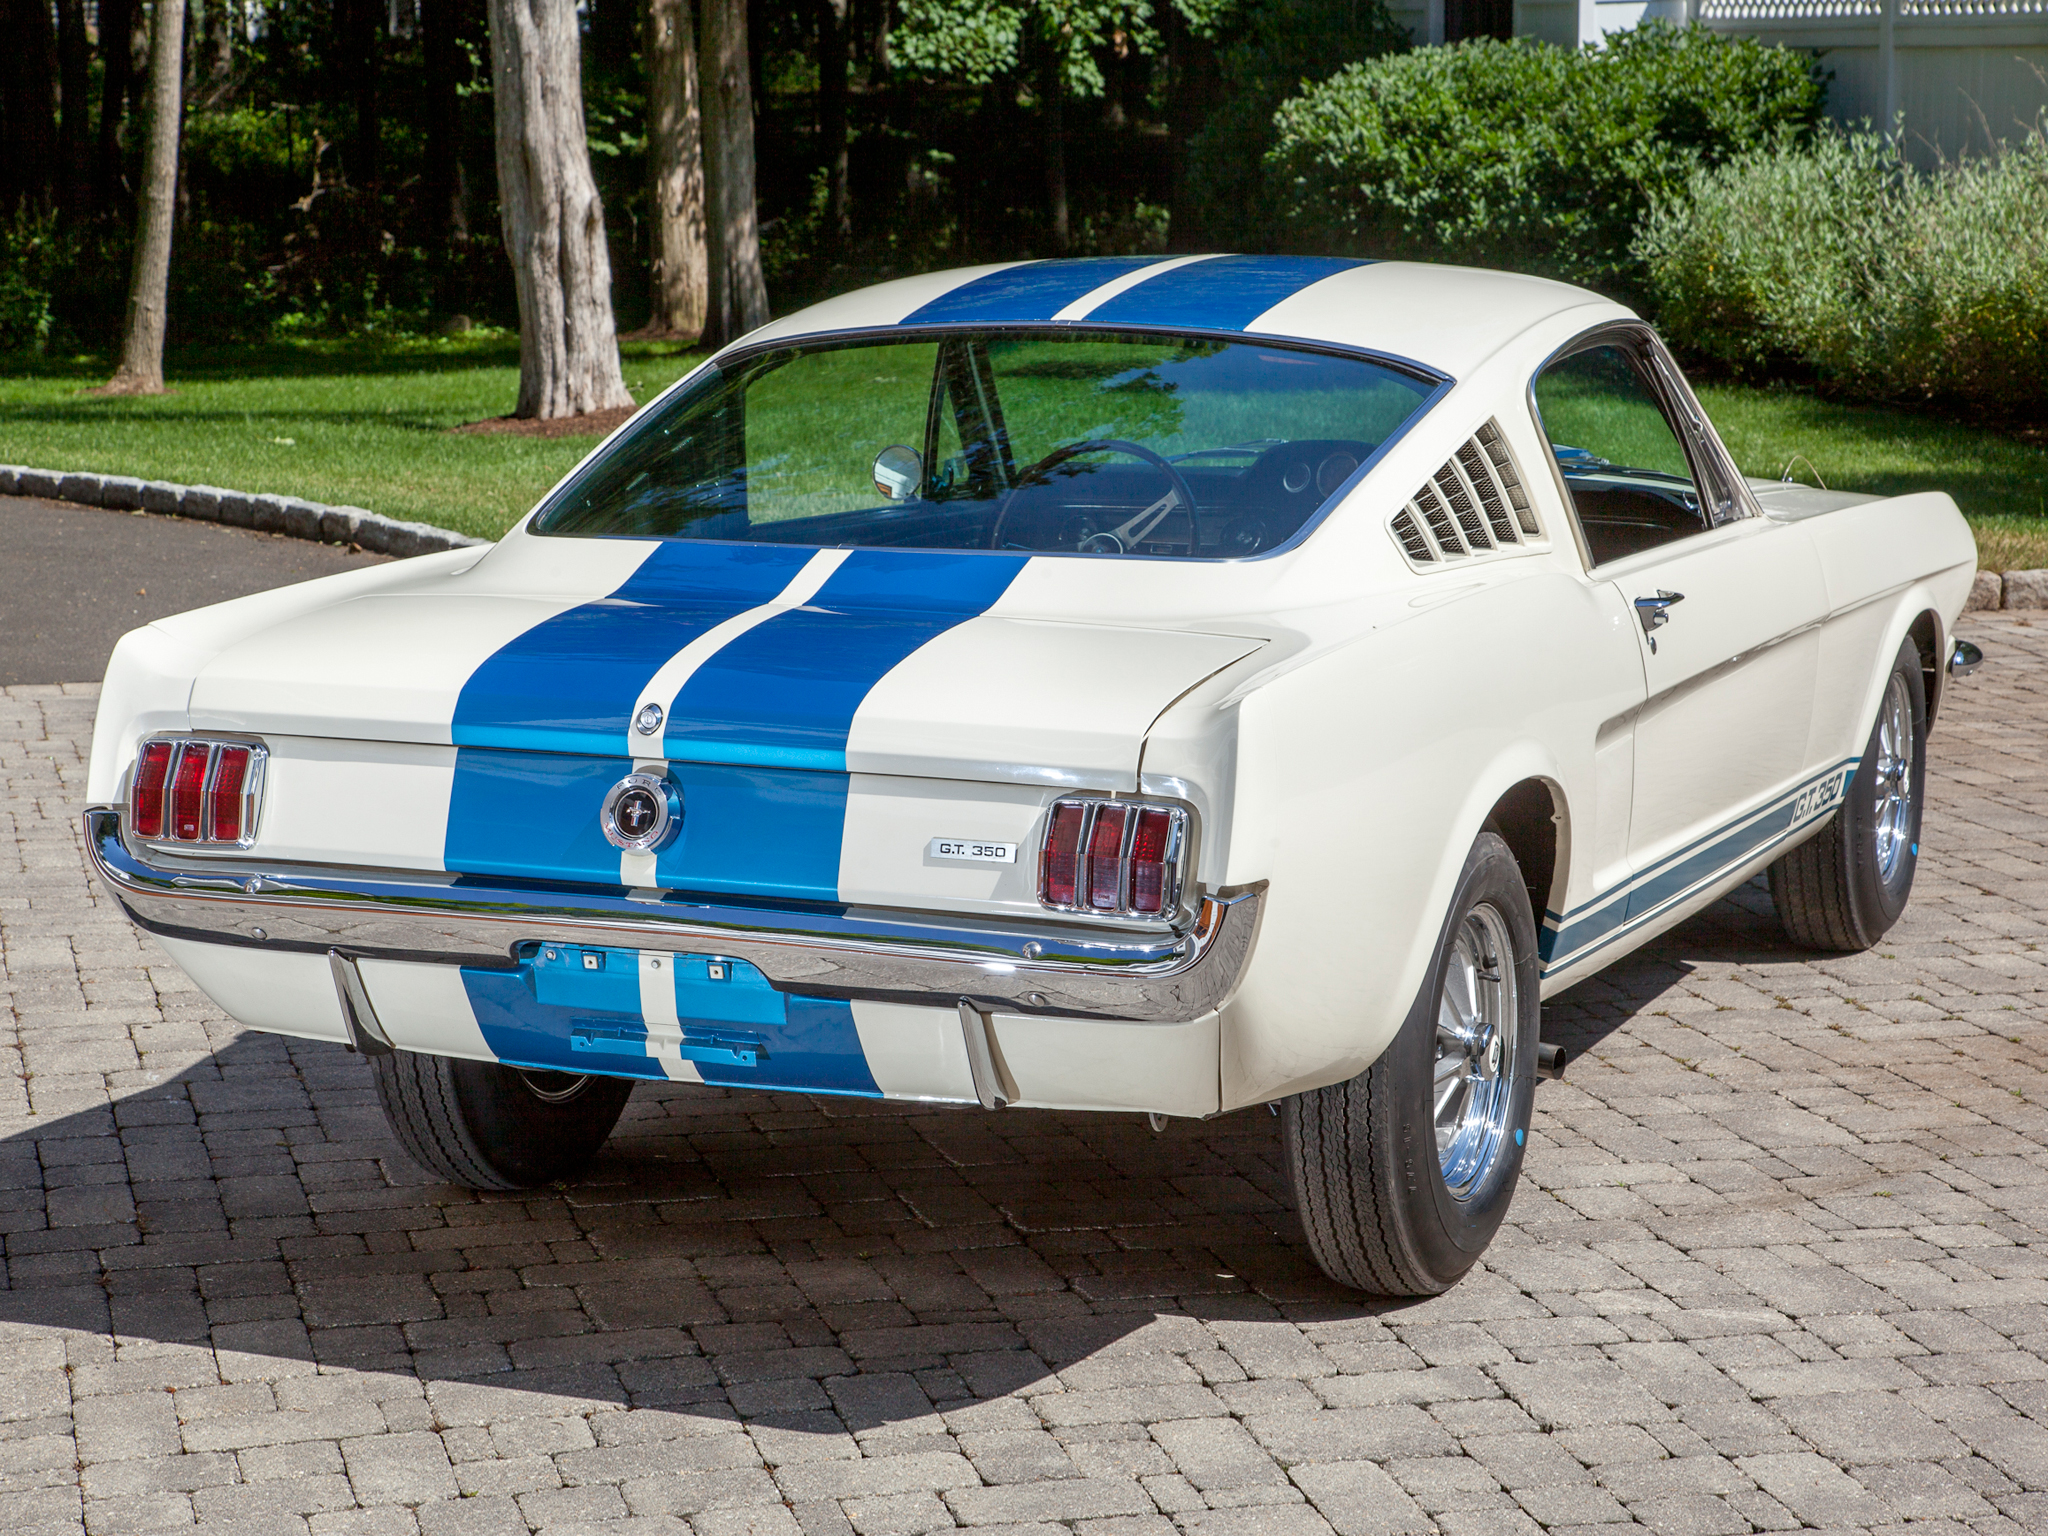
(554, 224)
(443, 58)
(1192, 85)
(117, 59)
(74, 137)
(833, 61)
(738, 294)
(141, 371)
(675, 172)
(1055, 93)
(28, 105)
(361, 21)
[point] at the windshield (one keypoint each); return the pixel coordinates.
(1075, 442)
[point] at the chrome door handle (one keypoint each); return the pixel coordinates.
(1654, 612)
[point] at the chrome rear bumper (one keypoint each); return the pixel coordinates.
(885, 955)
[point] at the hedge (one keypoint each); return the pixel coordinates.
(1522, 154)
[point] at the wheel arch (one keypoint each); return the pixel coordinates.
(1531, 819)
(1927, 633)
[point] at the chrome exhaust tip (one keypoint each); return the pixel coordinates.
(1550, 1060)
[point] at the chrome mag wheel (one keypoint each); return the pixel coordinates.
(1477, 1022)
(1892, 790)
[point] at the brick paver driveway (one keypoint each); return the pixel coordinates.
(1774, 1262)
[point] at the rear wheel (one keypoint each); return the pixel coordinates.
(496, 1127)
(1403, 1174)
(1845, 886)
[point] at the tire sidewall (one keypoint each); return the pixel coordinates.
(1450, 1233)
(1879, 903)
(530, 1140)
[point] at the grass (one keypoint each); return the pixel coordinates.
(367, 423)
(357, 423)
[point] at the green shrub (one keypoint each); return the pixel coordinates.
(1840, 260)
(1524, 155)
(31, 251)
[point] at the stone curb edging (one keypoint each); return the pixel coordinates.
(2011, 589)
(289, 515)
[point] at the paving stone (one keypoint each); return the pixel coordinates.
(1771, 1263)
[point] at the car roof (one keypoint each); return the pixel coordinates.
(1447, 318)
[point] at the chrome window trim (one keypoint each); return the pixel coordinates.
(1695, 432)
(252, 791)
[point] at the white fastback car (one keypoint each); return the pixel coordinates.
(1119, 684)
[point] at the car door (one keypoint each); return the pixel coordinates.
(1728, 605)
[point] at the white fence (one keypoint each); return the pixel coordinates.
(1963, 72)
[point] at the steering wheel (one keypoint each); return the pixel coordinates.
(1118, 540)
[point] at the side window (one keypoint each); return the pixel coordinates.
(1625, 466)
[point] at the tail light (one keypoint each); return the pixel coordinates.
(193, 792)
(1118, 858)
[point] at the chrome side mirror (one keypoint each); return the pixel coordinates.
(899, 473)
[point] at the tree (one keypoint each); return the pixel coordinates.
(834, 58)
(737, 293)
(141, 369)
(28, 104)
(74, 75)
(678, 274)
(554, 224)
(117, 57)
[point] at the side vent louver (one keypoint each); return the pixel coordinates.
(1475, 505)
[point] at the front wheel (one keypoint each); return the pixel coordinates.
(1845, 886)
(1403, 1174)
(488, 1126)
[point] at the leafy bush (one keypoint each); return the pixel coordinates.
(1843, 261)
(1525, 155)
(31, 251)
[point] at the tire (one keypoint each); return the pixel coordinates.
(487, 1126)
(1387, 1206)
(1844, 887)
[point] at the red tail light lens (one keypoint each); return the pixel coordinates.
(1105, 891)
(224, 796)
(1151, 883)
(1059, 865)
(1112, 856)
(196, 791)
(152, 768)
(188, 791)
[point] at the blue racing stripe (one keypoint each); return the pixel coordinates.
(569, 683)
(801, 1044)
(1037, 290)
(788, 688)
(1224, 293)
(769, 834)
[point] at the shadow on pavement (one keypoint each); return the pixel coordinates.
(803, 1264)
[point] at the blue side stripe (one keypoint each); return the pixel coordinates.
(569, 683)
(1225, 293)
(789, 688)
(1037, 290)
(1595, 924)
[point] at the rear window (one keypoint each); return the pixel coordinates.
(1073, 442)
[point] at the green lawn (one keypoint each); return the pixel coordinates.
(367, 423)
(362, 424)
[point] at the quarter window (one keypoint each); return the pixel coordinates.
(1624, 464)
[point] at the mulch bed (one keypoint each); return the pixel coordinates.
(590, 424)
